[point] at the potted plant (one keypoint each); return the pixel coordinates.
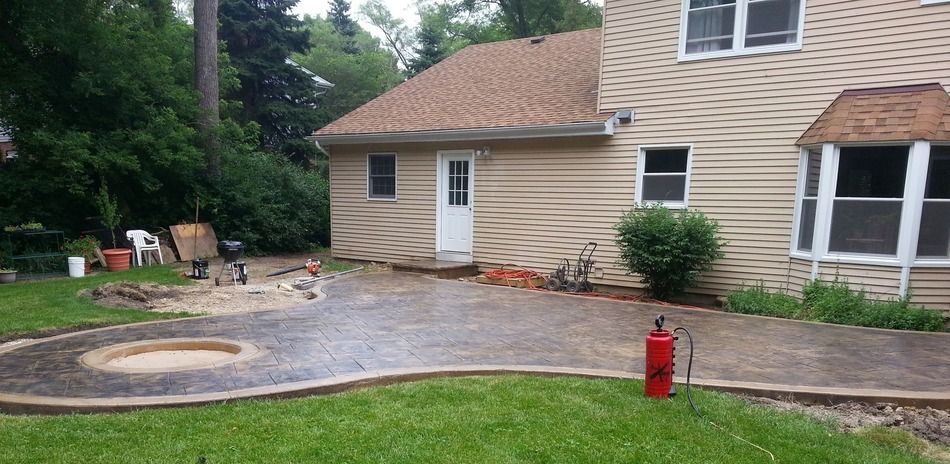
(116, 258)
(84, 247)
(7, 276)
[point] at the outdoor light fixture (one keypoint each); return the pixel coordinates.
(484, 152)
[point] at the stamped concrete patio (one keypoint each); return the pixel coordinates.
(386, 327)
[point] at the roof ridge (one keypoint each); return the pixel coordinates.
(498, 42)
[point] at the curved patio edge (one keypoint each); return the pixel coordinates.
(29, 404)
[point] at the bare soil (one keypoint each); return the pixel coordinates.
(204, 297)
(932, 425)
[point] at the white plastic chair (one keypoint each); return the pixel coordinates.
(143, 242)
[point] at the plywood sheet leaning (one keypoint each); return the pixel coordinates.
(184, 238)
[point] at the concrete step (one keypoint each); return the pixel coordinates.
(439, 269)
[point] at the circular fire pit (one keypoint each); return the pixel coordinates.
(174, 354)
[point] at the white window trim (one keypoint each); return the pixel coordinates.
(918, 162)
(933, 2)
(641, 165)
(793, 250)
(738, 40)
(395, 177)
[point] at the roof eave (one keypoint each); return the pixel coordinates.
(580, 129)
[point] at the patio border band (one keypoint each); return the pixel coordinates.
(30, 404)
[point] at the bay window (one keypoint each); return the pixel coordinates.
(712, 28)
(887, 204)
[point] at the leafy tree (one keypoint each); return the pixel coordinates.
(344, 25)
(276, 94)
(97, 92)
(358, 78)
(480, 21)
(397, 35)
(428, 51)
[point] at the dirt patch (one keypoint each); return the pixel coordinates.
(929, 424)
(132, 295)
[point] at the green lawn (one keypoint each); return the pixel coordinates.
(467, 420)
(30, 307)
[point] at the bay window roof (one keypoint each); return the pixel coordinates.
(891, 114)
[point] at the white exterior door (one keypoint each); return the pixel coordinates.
(456, 179)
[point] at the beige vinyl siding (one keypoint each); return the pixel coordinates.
(744, 114)
(799, 274)
(931, 287)
(880, 282)
(375, 230)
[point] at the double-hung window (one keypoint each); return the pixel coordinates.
(381, 176)
(663, 176)
(715, 28)
(934, 238)
(868, 201)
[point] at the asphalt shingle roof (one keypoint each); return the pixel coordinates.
(502, 84)
(918, 112)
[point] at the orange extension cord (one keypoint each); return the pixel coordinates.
(508, 272)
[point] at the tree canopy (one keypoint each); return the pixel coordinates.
(260, 36)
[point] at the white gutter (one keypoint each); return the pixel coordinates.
(581, 129)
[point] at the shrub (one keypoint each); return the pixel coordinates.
(837, 303)
(759, 301)
(667, 250)
(267, 202)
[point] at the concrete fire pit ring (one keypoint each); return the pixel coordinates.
(169, 355)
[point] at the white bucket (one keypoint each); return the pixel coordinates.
(77, 266)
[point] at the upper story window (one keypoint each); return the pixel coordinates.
(381, 176)
(663, 176)
(717, 28)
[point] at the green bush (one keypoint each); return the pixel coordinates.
(667, 250)
(837, 303)
(265, 201)
(759, 301)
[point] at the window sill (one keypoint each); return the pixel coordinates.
(933, 2)
(391, 200)
(800, 255)
(932, 262)
(654, 204)
(683, 57)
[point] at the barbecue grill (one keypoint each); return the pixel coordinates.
(232, 251)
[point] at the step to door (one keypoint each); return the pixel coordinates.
(436, 268)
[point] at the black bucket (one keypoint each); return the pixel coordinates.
(199, 269)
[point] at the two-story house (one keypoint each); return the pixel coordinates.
(817, 132)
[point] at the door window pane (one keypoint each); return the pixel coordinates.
(457, 183)
(772, 22)
(382, 176)
(866, 227)
(876, 172)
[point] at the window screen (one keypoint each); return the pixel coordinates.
(934, 238)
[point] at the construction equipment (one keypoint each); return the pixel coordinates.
(576, 278)
(232, 252)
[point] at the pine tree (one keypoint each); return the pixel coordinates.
(339, 16)
(429, 51)
(276, 93)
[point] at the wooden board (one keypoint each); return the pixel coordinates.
(519, 283)
(184, 238)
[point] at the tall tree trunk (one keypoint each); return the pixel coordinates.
(206, 79)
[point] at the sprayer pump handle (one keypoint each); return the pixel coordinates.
(659, 322)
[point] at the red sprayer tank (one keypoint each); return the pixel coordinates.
(659, 362)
